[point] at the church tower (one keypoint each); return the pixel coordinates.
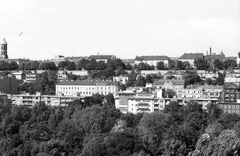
(4, 54)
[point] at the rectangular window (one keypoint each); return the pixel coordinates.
(233, 106)
(237, 111)
(229, 106)
(237, 107)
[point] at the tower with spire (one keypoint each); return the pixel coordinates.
(4, 54)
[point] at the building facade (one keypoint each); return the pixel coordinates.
(86, 88)
(190, 57)
(152, 60)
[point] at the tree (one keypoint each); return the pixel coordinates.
(161, 66)
(218, 64)
(48, 66)
(13, 65)
(141, 81)
(201, 64)
(220, 79)
(209, 81)
(4, 65)
(169, 93)
(229, 64)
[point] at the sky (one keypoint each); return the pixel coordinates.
(41, 29)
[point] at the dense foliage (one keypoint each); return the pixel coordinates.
(97, 128)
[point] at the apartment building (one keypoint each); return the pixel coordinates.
(51, 100)
(209, 74)
(174, 84)
(145, 102)
(231, 92)
(152, 60)
(233, 77)
(190, 57)
(230, 107)
(86, 88)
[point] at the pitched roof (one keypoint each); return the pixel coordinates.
(192, 56)
(140, 58)
(101, 83)
(101, 56)
(215, 57)
(174, 81)
(173, 72)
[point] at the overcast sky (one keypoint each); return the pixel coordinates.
(124, 28)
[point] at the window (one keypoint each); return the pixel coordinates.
(229, 111)
(237, 107)
(237, 111)
(233, 106)
(229, 106)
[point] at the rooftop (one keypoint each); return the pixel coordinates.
(162, 81)
(100, 83)
(140, 58)
(192, 56)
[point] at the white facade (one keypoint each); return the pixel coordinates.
(86, 88)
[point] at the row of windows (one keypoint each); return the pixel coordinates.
(84, 88)
(231, 106)
(85, 93)
(232, 111)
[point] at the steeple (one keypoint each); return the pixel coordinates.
(4, 54)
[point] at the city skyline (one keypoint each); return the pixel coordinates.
(43, 29)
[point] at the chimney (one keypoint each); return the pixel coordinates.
(206, 53)
(210, 50)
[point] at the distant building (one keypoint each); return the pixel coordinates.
(231, 93)
(175, 74)
(190, 57)
(233, 77)
(50, 100)
(8, 84)
(230, 107)
(103, 58)
(75, 59)
(86, 88)
(62, 75)
(130, 61)
(238, 58)
(19, 61)
(4, 54)
(152, 60)
(30, 76)
(174, 84)
(212, 57)
(120, 79)
(209, 74)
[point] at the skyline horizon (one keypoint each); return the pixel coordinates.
(43, 29)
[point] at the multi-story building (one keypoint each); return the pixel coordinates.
(174, 84)
(212, 92)
(30, 76)
(233, 77)
(191, 57)
(209, 74)
(103, 58)
(230, 107)
(120, 79)
(173, 75)
(152, 60)
(62, 75)
(86, 88)
(231, 93)
(51, 100)
(190, 93)
(133, 102)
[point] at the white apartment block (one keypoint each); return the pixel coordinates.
(50, 100)
(86, 88)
